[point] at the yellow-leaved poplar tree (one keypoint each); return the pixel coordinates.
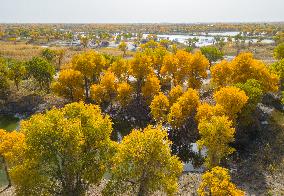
(242, 68)
(221, 73)
(169, 68)
(216, 135)
(69, 85)
(90, 64)
(206, 111)
(124, 93)
(121, 69)
(175, 93)
(106, 90)
(197, 70)
(160, 107)
(218, 182)
(232, 99)
(143, 164)
(66, 150)
(185, 67)
(183, 108)
(12, 145)
(141, 67)
(151, 87)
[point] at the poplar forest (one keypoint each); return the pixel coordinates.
(142, 109)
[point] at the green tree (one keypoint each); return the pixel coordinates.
(4, 80)
(191, 42)
(237, 40)
(278, 68)
(143, 164)
(16, 72)
(253, 90)
(219, 42)
(48, 54)
(279, 51)
(42, 71)
(212, 53)
(279, 37)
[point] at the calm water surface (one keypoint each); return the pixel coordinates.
(8, 123)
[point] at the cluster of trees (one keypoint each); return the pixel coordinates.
(278, 66)
(10, 70)
(67, 150)
(41, 69)
(65, 32)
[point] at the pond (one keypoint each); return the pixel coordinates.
(206, 39)
(8, 123)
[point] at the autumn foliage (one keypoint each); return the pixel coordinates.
(216, 135)
(243, 68)
(67, 150)
(143, 164)
(218, 182)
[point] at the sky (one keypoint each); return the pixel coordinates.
(140, 11)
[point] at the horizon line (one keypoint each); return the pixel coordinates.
(232, 22)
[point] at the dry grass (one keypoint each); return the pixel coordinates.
(114, 52)
(278, 118)
(23, 51)
(20, 51)
(263, 52)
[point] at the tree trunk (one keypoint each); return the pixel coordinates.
(7, 173)
(86, 88)
(17, 85)
(142, 190)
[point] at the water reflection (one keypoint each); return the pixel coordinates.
(9, 122)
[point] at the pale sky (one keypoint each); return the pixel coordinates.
(140, 11)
